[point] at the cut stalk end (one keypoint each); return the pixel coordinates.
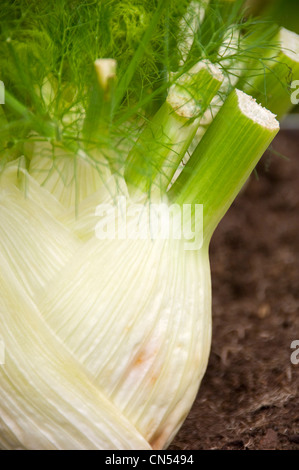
(256, 112)
(106, 73)
(185, 96)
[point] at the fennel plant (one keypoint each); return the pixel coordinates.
(107, 339)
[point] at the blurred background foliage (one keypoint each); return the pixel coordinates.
(283, 12)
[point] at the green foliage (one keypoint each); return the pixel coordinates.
(47, 52)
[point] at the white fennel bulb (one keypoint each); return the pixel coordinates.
(107, 340)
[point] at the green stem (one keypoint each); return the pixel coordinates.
(160, 148)
(98, 114)
(41, 126)
(225, 157)
(272, 84)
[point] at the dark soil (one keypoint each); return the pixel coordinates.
(249, 398)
